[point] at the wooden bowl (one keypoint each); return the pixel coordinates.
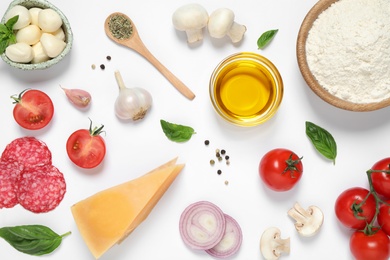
(307, 23)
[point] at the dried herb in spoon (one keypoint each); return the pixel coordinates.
(120, 27)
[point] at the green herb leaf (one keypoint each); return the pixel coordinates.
(32, 239)
(322, 140)
(177, 133)
(7, 35)
(11, 22)
(265, 38)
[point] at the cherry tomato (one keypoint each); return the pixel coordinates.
(374, 246)
(86, 148)
(33, 110)
(349, 210)
(381, 180)
(384, 217)
(280, 169)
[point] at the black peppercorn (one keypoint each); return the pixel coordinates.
(219, 172)
(108, 57)
(207, 142)
(102, 66)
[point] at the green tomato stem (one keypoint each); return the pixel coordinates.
(370, 228)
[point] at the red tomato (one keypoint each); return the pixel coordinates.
(280, 169)
(381, 180)
(33, 110)
(86, 148)
(348, 211)
(370, 247)
(384, 217)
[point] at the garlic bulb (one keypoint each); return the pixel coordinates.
(131, 103)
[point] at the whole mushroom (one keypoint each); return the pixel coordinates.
(191, 18)
(221, 23)
(272, 245)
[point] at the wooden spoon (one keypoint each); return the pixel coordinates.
(134, 42)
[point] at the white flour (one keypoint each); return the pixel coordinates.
(348, 50)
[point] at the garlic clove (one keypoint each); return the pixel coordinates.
(78, 97)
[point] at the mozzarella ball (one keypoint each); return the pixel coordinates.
(49, 20)
(39, 53)
(29, 34)
(60, 34)
(19, 52)
(24, 16)
(34, 11)
(52, 45)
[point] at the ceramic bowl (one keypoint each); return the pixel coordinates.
(246, 89)
(65, 26)
(307, 74)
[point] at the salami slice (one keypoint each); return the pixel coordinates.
(9, 173)
(28, 150)
(41, 188)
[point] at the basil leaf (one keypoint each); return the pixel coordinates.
(175, 132)
(3, 46)
(265, 38)
(322, 140)
(11, 22)
(7, 34)
(3, 29)
(32, 239)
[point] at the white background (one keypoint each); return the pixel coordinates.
(135, 148)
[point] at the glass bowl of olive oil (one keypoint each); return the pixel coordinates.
(246, 89)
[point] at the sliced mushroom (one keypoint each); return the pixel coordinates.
(191, 18)
(272, 245)
(308, 222)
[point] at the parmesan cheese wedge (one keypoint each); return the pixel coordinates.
(109, 216)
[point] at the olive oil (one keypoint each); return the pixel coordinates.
(244, 89)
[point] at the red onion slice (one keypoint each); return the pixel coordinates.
(231, 241)
(202, 225)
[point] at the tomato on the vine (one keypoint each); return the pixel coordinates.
(86, 148)
(33, 110)
(280, 169)
(375, 246)
(381, 180)
(354, 209)
(384, 217)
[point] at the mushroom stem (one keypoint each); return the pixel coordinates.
(221, 22)
(236, 32)
(194, 35)
(299, 213)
